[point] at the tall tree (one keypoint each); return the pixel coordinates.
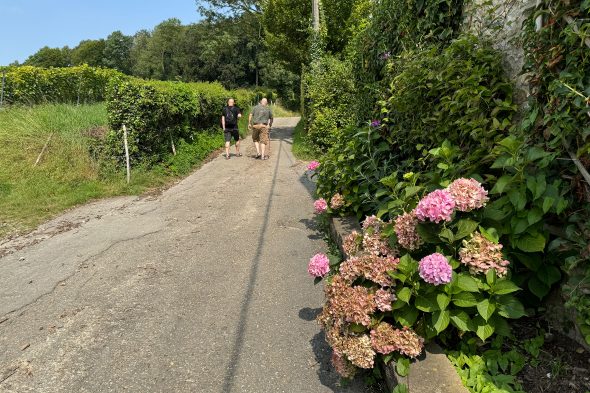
(224, 9)
(117, 52)
(50, 57)
(89, 52)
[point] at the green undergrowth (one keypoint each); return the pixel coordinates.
(70, 172)
(302, 149)
(279, 111)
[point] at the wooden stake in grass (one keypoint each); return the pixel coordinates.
(127, 153)
(43, 150)
(173, 147)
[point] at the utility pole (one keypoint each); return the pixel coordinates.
(316, 15)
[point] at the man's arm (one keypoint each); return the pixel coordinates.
(223, 122)
(250, 118)
(270, 119)
(239, 113)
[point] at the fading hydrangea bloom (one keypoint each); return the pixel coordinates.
(312, 166)
(359, 351)
(369, 266)
(468, 194)
(405, 229)
(320, 206)
(352, 304)
(372, 224)
(383, 299)
(384, 338)
(342, 366)
(481, 255)
(435, 269)
(337, 201)
(376, 244)
(352, 243)
(319, 265)
(408, 342)
(437, 206)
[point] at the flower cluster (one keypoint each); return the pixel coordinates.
(337, 201)
(385, 339)
(435, 269)
(408, 342)
(468, 194)
(312, 166)
(375, 123)
(352, 304)
(369, 266)
(359, 351)
(481, 255)
(405, 229)
(342, 366)
(437, 206)
(372, 224)
(352, 243)
(376, 244)
(319, 265)
(383, 299)
(320, 206)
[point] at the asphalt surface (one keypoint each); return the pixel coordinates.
(202, 288)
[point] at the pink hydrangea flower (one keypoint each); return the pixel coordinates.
(437, 206)
(320, 206)
(319, 265)
(468, 194)
(435, 269)
(312, 166)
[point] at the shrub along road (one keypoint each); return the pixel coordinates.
(200, 289)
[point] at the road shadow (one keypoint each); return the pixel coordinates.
(313, 225)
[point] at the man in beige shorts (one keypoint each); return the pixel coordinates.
(261, 121)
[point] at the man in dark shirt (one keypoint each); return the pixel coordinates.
(229, 122)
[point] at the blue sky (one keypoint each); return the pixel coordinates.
(28, 25)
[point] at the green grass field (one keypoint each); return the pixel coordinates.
(67, 175)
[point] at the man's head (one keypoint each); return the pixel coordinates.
(264, 102)
(231, 102)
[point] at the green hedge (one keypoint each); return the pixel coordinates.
(157, 113)
(28, 85)
(329, 101)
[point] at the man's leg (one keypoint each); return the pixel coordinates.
(237, 138)
(227, 137)
(256, 139)
(264, 141)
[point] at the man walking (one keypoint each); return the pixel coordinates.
(261, 121)
(229, 123)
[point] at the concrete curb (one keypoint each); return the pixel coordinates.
(432, 372)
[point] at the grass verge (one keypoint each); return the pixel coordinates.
(67, 174)
(303, 150)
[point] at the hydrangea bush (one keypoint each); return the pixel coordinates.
(432, 271)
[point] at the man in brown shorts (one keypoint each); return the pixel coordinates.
(261, 121)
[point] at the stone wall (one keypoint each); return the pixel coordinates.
(500, 21)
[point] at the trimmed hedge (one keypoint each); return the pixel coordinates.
(28, 85)
(157, 113)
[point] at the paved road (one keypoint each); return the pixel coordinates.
(200, 289)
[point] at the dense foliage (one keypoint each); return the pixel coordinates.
(33, 85)
(558, 60)
(434, 106)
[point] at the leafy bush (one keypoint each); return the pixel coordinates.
(82, 84)
(396, 26)
(558, 62)
(458, 94)
(329, 100)
(436, 272)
